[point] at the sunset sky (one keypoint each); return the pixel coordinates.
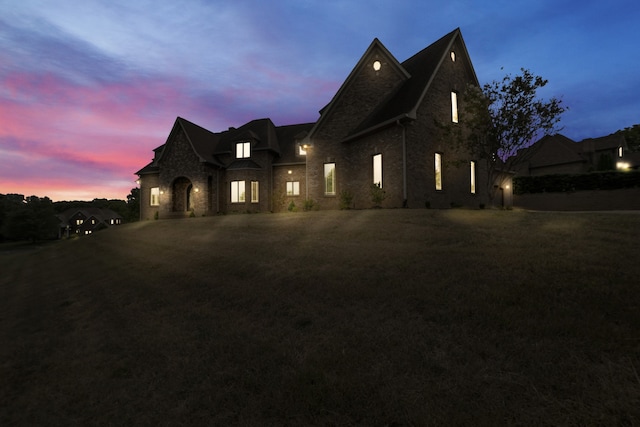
(89, 88)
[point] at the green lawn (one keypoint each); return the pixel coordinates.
(370, 317)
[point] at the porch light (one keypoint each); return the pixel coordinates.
(377, 65)
(196, 189)
(289, 171)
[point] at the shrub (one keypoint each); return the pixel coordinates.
(377, 195)
(309, 205)
(346, 197)
(292, 207)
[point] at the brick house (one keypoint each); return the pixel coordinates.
(381, 128)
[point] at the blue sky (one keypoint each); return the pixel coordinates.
(89, 88)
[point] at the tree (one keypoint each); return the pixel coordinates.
(133, 203)
(502, 118)
(33, 219)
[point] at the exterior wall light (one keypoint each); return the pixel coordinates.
(377, 65)
(196, 190)
(289, 171)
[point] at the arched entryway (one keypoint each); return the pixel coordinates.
(181, 190)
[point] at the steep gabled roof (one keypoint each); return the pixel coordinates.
(554, 150)
(202, 140)
(422, 68)
(385, 55)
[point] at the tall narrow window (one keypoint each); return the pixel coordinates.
(473, 177)
(243, 150)
(620, 151)
(330, 179)
(237, 192)
(438, 171)
(154, 200)
(293, 188)
(255, 191)
(454, 107)
(377, 170)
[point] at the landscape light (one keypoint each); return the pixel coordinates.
(623, 165)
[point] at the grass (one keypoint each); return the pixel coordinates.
(372, 317)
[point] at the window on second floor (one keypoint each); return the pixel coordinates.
(620, 151)
(454, 107)
(243, 150)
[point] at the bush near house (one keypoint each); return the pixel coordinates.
(562, 183)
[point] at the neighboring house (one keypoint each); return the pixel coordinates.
(86, 220)
(381, 128)
(558, 154)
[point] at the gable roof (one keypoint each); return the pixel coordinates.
(418, 71)
(553, 150)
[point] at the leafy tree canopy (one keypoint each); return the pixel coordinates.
(503, 117)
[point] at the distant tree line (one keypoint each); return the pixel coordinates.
(34, 218)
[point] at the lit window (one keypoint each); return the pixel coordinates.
(454, 107)
(620, 151)
(155, 196)
(453, 56)
(112, 222)
(330, 179)
(377, 170)
(255, 191)
(243, 150)
(377, 65)
(293, 188)
(237, 191)
(93, 221)
(79, 221)
(301, 150)
(438, 170)
(473, 177)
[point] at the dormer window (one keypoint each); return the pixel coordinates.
(243, 150)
